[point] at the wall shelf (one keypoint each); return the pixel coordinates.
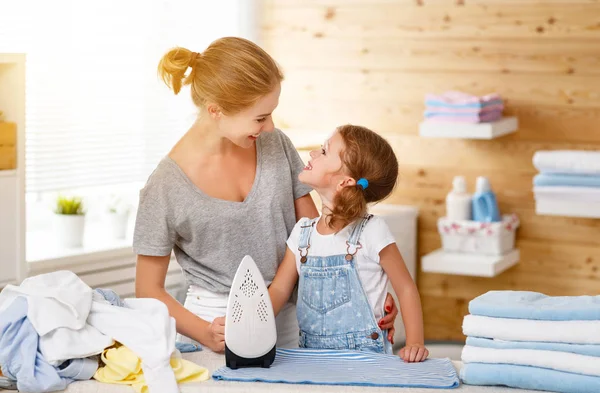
(446, 262)
(434, 129)
(558, 207)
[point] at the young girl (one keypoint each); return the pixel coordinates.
(344, 257)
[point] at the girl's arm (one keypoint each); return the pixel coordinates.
(150, 273)
(285, 279)
(410, 304)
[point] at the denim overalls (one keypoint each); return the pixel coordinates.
(333, 309)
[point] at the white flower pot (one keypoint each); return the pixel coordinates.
(117, 223)
(68, 229)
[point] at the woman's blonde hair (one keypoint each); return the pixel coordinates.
(366, 155)
(232, 72)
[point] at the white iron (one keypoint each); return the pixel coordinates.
(250, 331)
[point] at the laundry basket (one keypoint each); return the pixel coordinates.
(487, 238)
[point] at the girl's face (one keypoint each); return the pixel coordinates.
(244, 128)
(324, 170)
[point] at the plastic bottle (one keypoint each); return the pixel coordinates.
(458, 202)
(484, 205)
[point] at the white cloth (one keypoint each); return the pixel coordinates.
(572, 332)
(568, 161)
(561, 361)
(57, 299)
(375, 237)
(145, 327)
(59, 304)
(208, 306)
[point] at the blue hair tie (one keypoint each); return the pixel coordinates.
(364, 183)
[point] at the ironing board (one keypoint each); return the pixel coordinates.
(213, 361)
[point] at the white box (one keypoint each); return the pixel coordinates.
(485, 238)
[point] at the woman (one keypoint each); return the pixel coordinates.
(228, 188)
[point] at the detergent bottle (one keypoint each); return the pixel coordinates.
(484, 204)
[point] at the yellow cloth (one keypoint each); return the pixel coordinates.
(123, 366)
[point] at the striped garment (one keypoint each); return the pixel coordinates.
(332, 367)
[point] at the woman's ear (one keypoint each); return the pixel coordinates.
(214, 110)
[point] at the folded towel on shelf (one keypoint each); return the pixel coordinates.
(581, 349)
(534, 305)
(525, 377)
(451, 111)
(566, 193)
(560, 361)
(332, 367)
(555, 179)
(568, 161)
(470, 118)
(571, 332)
(457, 99)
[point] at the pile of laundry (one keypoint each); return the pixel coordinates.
(532, 341)
(460, 107)
(54, 329)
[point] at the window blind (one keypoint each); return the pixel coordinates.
(96, 112)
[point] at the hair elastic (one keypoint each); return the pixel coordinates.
(364, 183)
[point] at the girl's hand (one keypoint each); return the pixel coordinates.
(387, 322)
(414, 353)
(216, 335)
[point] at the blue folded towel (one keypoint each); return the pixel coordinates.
(533, 305)
(525, 377)
(555, 179)
(330, 367)
(580, 349)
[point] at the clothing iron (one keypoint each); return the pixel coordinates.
(250, 330)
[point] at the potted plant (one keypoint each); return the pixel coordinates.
(118, 217)
(69, 221)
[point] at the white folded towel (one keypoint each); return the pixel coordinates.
(568, 193)
(568, 161)
(572, 332)
(561, 361)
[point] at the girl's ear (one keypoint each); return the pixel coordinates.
(346, 181)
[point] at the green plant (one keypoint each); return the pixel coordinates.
(73, 206)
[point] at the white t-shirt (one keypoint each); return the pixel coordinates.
(375, 237)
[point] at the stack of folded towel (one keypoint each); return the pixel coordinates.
(568, 177)
(459, 107)
(532, 341)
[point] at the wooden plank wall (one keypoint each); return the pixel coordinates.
(372, 62)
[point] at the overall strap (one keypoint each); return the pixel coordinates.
(306, 227)
(352, 242)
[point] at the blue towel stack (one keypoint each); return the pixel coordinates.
(459, 107)
(532, 341)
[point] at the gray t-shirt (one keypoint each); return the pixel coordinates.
(210, 236)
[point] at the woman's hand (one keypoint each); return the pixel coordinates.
(414, 353)
(387, 322)
(215, 335)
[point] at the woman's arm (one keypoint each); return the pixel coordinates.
(410, 304)
(305, 207)
(150, 274)
(283, 284)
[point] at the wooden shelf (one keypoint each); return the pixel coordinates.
(441, 261)
(558, 207)
(434, 129)
(8, 173)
